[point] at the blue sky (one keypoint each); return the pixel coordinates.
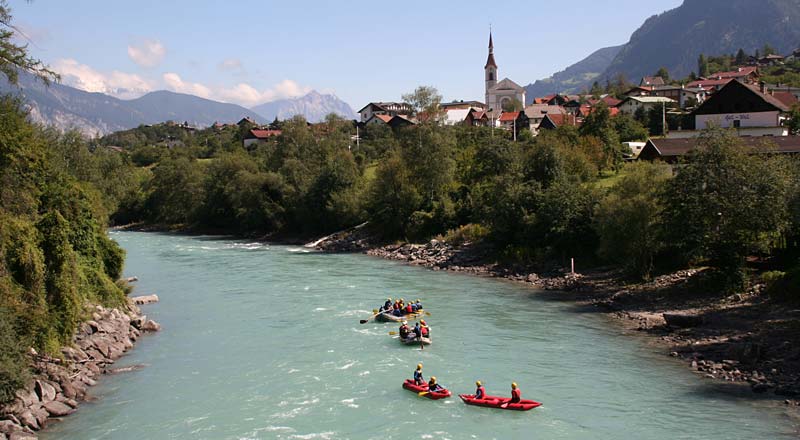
(249, 52)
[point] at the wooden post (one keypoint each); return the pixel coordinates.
(572, 263)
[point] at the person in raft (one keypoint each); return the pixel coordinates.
(404, 330)
(480, 392)
(417, 329)
(417, 306)
(387, 305)
(409, 309)
(424, 330)
(516, 394)
(418, 379)
(397, 309)
(433, 386)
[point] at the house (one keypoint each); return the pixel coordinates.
(712, 85)
(246, 121)
(692, 96)
(385, 108)
(396, 121)
(500, 94)
(456, 116)
(631, 104)
(652, 81)
(671, 150)
(256, 136)
(536, 113)
(477, 118)
(740, 105)
(794, 56)
(552, 122)
(513, 121)
(771, 60)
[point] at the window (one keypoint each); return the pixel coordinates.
(491, 76)
(737, 123)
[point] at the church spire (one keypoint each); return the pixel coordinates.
(490, 61)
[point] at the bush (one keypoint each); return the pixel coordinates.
(470, 233)
(14, 372)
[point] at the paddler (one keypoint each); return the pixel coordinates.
(404, 330)
(424, 330)
(388, 304)
(418, 379)
(516, 394)
(433, 386)
(480, 392)
(409, 309)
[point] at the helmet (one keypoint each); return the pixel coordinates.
(419, 366)
(388, 299)
(478, 383)
(433, 379)
(422, 321)
(402, 300)
(405, 322)
(417, 301)
(514, 385)
(374, 311)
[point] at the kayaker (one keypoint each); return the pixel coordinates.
(433, 386)
(404, 330)
(480, 392)
(418, 379)
(516, 394)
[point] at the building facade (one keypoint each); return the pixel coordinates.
(500, 94)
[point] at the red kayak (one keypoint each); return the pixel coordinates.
(411, 386)
(497, 402)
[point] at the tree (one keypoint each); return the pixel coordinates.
(664, 74)
(513, 105)
(629, 129)
(598, 124)
(655, 120)
(724, 204)
(14, 57)
(702, 66)
(768, 50)
(425, 101)
(596, 90)
(793, 121)
(741, 57)
(627, 219)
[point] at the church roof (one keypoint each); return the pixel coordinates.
(507, 84)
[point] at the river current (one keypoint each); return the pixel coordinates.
(263, 341)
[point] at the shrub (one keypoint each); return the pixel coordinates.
(13, 361)
(469, 233)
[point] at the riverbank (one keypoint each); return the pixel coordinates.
(745, 339)
(61, 383)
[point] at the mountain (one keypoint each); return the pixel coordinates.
(676, 38)
(314, 107)
(575, 77)
(96, 114)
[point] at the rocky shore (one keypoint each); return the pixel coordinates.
(61, 383)
(744, 338)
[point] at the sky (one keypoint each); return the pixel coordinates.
(250, 52)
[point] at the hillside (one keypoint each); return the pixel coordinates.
(676, 38)
(575, 77)
(95, 114)
(314, 107)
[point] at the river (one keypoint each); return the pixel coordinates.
(264, 342)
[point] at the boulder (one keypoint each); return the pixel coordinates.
(41, 415)
(682, 320)
(58, 409)
(46, 392)
(147, 299)
(69, 391)
(21, 435)
(27, 397)
(151, 326)
(7, 426)
(29, 420)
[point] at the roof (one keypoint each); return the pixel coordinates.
(462, 103)
(652, 81)
(702, 83)
(649, 99)
(507, 84)
(455, 116)
(263, 134)
(558, 120)
(740, 72)
(787, 98)
(671, 148)
(737, 93)
(383, 105)
(490, 61)
(536, 111)
(384, 118)
(509, 116)
(611, 101)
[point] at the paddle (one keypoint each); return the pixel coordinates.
(422, 393)
(364, 321)
(504, 406)
(392, 333)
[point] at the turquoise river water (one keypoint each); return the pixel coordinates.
(264, 342)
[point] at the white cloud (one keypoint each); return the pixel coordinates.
(120, 84)
(247, 95)
(176, 84)
(148, 53)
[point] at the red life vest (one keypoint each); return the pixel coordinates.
(409, 309)
(481, 391)
(424, 330)
(516, 395)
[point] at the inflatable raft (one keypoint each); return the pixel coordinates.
(497, 402)
(416, 341)
(388, 317)
(411, 386)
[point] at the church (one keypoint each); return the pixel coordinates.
(501, 95)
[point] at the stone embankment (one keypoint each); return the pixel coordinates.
(60, 383)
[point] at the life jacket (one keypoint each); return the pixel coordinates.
(516, 395)
(418, 377)
(424, 331)
(480, 392)
(396, 305)
(409, 309)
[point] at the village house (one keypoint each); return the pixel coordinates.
(385, 108)
(460, 105)
(477, 118)
(515, 121)
(536, 113)
(631, 104)
(671, 150)
(650, 81)
(740, 105)
(553, 121)
(258, 136)
(396, 121)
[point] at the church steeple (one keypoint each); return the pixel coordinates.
(490, 69)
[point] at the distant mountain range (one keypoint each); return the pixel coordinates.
(96, 114)
(575, 77)
(676, 38)
(314, 107)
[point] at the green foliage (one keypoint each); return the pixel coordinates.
(13, 360)
(469, 233)
(629, 129)
(627, 219)
(14, 57)
(724, 204)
